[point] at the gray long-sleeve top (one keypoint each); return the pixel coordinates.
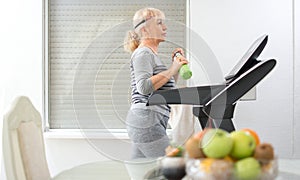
(143, 65)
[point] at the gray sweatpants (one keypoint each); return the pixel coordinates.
(147, 131)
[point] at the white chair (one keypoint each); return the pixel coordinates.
(23, 143)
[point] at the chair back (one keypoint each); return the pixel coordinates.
(23, 142)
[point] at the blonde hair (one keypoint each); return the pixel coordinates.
(133, 37)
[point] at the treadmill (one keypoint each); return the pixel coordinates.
(214, 104)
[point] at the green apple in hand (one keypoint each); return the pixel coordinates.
(216, 143)
(247, 169)
(243, 145)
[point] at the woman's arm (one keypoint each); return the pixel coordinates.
(146, 82)
(162, 78)
(180, 50)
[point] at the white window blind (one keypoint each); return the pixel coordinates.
(88, 70)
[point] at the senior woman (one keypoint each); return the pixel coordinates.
(146, 125)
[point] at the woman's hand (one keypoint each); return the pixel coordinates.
(180, 50)
(177, 63)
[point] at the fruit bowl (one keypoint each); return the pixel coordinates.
(223, 169)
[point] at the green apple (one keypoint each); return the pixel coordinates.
(243, 145)
(247, 169)
(216, 143)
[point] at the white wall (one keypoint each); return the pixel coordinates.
(297, 81)
(21, 53)
(228, 26)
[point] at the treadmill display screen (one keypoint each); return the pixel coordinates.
(249, 58)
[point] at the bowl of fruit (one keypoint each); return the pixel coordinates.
(215, 154)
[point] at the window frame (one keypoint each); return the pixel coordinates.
(77, 133)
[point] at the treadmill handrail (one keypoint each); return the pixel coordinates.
(240, 86)
(188, 95)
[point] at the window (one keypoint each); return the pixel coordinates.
(86, 69)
